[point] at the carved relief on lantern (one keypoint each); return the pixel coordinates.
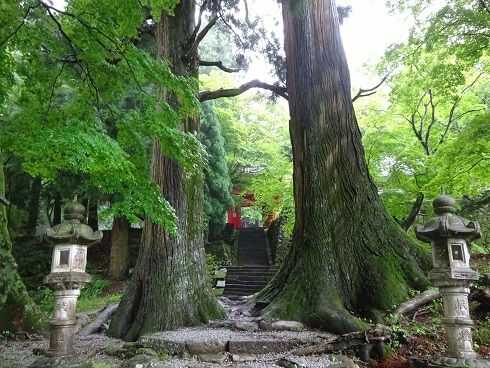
(465, 340)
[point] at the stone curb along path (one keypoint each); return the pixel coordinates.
(244, 338)
(240, 338)
(217, 345)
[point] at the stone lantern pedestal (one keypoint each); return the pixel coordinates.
(450, 236)
(68, 276)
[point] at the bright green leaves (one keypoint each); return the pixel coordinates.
(463, 164)
(79, 98)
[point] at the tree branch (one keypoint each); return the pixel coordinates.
(231, 92)
(369, 91)
(247, 19)
(19, 26)
(412, 216)
(199, 22)
(432, 120)
(451, 118)
(72, 48)
(200, 36)
(218, 64)
(484, 6)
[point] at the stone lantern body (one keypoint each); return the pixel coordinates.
(67, 277)
(450, 236)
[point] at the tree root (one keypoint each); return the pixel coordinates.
(416, 302)
(102, 318)
(367, 344)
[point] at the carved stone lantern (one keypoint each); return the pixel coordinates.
(67, 277)
(450, 236)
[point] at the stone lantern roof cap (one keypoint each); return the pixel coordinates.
(447, 224)
(72, 230)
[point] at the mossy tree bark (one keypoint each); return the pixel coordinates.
(169, 287)
(348, 257)
(17, 309)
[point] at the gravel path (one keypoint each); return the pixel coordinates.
(21, 354)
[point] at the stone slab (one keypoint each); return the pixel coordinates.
(253, 345)
(198, 341)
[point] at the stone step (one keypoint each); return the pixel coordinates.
(197, 341)
(248, 281)
(249, 276)
(250, 289)
(253, 268)
(251, 272)
(238, 285)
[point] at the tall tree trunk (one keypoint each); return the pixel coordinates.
(348, 255)
(408, 221)
(92, 214)
(17, 310)
(169, 287)
(34, 206)
(58, 202)
(119, 248)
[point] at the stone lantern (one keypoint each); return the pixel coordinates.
(450, 236)
(67, 277)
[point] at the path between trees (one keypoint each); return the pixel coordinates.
(240, 341)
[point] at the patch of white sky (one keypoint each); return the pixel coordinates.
(366, 33)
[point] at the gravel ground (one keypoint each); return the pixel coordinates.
(21, 354)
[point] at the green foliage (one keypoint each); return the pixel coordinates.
(92, 297)
(211, 268)
(431, 137)
(44, 298)
(77, 79)
(257, 145)
(481, 335)
(217, 184)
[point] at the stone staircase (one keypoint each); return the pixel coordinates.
(253, 271)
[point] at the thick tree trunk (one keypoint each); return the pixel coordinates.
(119, 249)
(17, 310)
(169, 287)
(348, 255)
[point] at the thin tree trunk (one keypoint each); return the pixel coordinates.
(58, 201)
(34, 206)
(169, 287)
(347, 254)
(17, 310)
(93, 216)
(119, 248)
(407, 223)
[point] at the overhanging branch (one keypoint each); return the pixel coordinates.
(200, 36)
(218, 64)
(19, 26)
(232, 92)
(369, 91)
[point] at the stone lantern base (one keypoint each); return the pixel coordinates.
(61, 338)
(63, 323)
